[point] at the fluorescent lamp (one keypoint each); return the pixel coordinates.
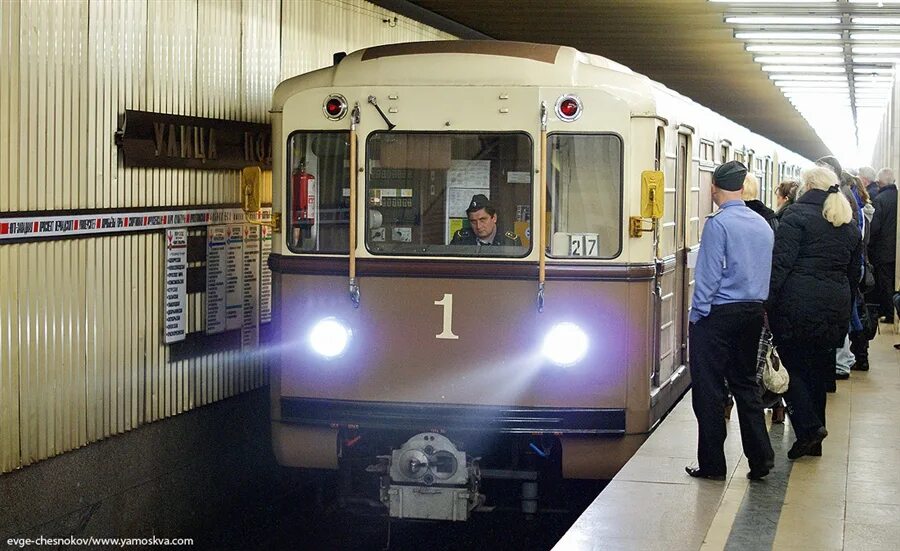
(875, 59)
(799, 35)
(874, 70)
(800, 78)
(802, 69)
(794, 49)
(866, 78)
(781, 20)
(877, 37)
(876, 49)
(819, 92)
(876, 2)
(811, 84)
(773, 1)
(799, 60)
(874, 85)
(876, 20)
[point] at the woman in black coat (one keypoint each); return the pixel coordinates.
(750, 195)
(814, 264)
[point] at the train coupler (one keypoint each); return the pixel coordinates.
(429, 478)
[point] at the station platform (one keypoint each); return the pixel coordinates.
(848, 499)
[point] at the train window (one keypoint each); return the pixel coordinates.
(584, 184)
(726, 152)
(423, 190)
(319, 189)
(707, 152)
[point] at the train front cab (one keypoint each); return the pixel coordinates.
(448, 339)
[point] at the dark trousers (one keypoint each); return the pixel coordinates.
(810, 368)
(884, 289)
(723, 348)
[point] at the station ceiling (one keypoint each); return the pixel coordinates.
(684, 44)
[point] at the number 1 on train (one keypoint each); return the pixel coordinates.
(447, 303)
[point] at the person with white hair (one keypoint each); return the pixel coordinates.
(869, 180)
(883, 242)
(815, 267)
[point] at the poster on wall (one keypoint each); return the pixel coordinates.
(216, 243)
(250, 288)
(234, 299)
(465, 179)
(265, 278)
(175, 295)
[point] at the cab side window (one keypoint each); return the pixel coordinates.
(584, 185)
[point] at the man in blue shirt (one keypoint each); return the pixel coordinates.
(731, 281)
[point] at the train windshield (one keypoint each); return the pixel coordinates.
(319, 184)
(584, 184)
(449, 194)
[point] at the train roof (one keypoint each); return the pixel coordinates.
(458, 63)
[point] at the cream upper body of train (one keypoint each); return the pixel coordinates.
(409, 349)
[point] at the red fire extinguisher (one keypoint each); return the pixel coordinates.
(303, 200)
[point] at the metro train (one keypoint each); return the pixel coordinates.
(420, 365)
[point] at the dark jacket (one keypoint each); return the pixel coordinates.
(813, 265)
(872, 190)
(761, 209)
(883, 238)
(467, 237)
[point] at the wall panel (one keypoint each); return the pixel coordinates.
(311, 32)
(81, 349)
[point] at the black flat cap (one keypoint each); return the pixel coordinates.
(479, 201)
(730, 176)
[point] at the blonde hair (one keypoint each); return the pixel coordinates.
(836, 209)
(751, 188)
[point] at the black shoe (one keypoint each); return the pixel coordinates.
(697, 473)
(842, 376)
(757, 475)
(860, 365)
(804, 446)
(815, 451)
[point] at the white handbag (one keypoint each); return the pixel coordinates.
(775, 377)
(770, 373)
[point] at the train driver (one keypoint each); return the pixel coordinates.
(483, 228)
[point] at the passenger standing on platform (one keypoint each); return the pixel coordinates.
(750, 196)
(869, 181)
(785, 195)
(843, 357)
(815, 266)
(883, 242)
(859, 336)
(726, 321)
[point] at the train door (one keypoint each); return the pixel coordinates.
(674, 285)
(686, 217)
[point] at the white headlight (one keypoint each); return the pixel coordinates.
(565, 344)
(330, 337)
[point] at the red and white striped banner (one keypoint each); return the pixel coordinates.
(77, 225)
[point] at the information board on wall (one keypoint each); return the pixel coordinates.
(265, 278)
(175, 287)
(250, 287)
(234, 299)
(216, 243)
